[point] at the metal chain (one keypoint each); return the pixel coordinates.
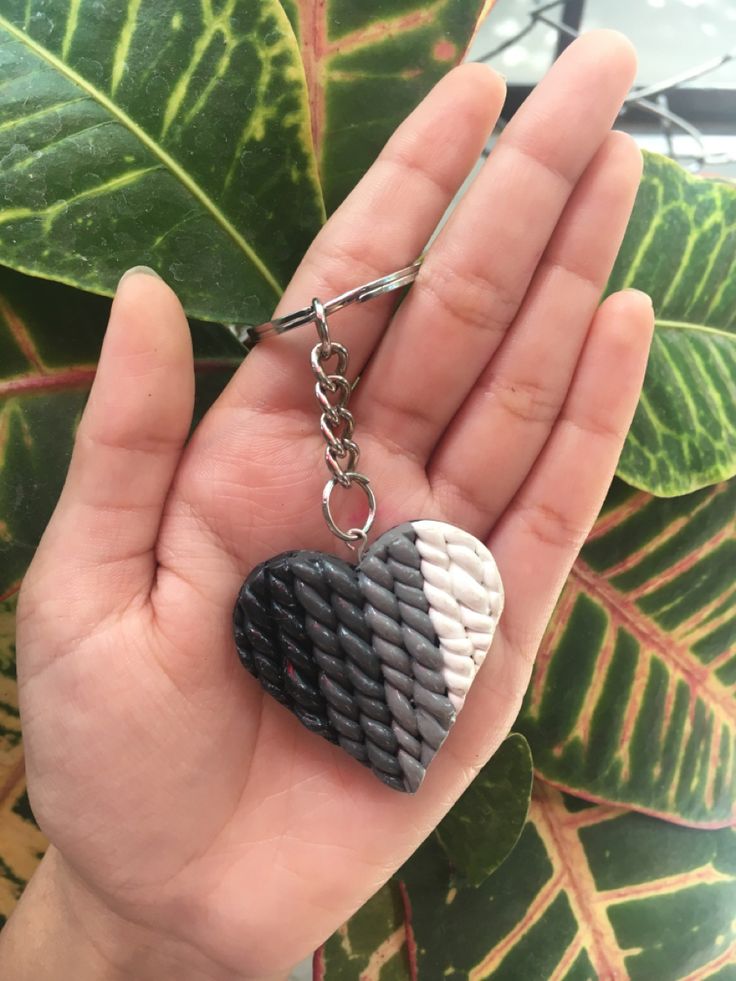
(333, 391)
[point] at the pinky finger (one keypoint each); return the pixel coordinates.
(540, 534)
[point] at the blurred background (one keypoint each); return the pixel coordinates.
(684, 102)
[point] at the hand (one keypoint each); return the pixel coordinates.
(195, 822)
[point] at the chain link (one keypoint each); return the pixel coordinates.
(337, 425)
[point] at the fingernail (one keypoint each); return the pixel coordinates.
(492, 69)
(138, 270)
(631, 289)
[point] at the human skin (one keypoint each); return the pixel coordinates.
(198, 831)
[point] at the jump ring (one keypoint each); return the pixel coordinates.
(323, 331)
(354, 534)
(359, 543)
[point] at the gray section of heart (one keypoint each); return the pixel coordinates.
(350, 677)
(397, 612)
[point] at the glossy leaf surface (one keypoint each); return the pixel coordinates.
(180, 134)
(21, 843)
(476, 837)
(633, 697)
(589, 892)
(680, 247)
(50, 336)
(497, 802)
(174, 134)
(372, 945)
(367, 66)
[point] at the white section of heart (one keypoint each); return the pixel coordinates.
(465, 595)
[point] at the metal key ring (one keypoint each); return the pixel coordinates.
(307, 315)
(354, 534)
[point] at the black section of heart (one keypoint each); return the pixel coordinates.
(272, 642)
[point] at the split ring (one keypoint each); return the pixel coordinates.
(354, 534)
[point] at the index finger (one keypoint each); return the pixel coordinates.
(381, 226)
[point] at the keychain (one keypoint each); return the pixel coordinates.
(377, 657)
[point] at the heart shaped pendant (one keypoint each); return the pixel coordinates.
(377, 657)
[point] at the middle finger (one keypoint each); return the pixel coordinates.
(477, 272)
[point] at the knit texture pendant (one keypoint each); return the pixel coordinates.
(377, 657)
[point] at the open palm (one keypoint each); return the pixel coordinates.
(178, 797)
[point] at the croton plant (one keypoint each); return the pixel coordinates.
(599, 841)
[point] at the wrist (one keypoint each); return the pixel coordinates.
(43, 938)
(62, 931)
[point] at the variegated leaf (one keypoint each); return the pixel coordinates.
(179, 133)
(476, 837)
(372, 945)
(50, 337)
(21, 843)
(633, 697)
(174, 133)
(590, 892)
(11, 753)
(367, 66)
(680, 247)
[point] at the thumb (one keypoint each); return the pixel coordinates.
(99, 545)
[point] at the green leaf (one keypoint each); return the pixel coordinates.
(50, 336)
(633, 696)
(680, 247)
(475, 837)
(371, 946)
(11, 753)
(367, 66)
(190, 134)
(497, 801)
(21, 843)
(589, 892)
(175, 134)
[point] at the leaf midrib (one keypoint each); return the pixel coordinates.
(671, 649)
(168, 161)
(77, 376)
(700, 328)
(565, 848)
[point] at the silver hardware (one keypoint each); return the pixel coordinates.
(337, 425)
(353, 535)
(320, 320)
(318, 314)
(360, 544)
